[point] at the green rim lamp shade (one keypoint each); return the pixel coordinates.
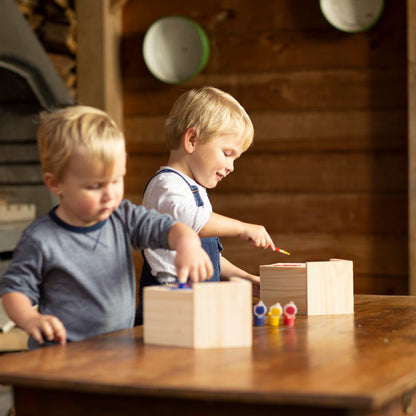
(175, 49)
(352, 15)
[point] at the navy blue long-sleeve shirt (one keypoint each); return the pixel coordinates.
(85, 275)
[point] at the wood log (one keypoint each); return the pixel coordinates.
(369, 252)
(294, 131)
(295, 172)
(313, 212)
(56, 37)
(65, 65)
(64, 4)
(335, 90)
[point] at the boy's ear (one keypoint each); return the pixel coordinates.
(189, 139)
(51, 182)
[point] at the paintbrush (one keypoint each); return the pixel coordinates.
(281, 251)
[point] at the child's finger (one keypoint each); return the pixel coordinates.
(194, 275)
(59, 332)
(210, 270)
(206, 271)
(37, 335)
(201, 272)
(54, 330)
(47, 330)
(271, 246)
(183, 274)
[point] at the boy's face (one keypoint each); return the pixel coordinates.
(87, 195)
(212, 161)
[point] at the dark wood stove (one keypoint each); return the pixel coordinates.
(29, 84)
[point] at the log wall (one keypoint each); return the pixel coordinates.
(327, 174)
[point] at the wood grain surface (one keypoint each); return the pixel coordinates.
(361, 362)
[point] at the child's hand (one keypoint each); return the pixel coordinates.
(193, 263)
(45, 327)
(257, 235)
(19, 309)
(191, 259)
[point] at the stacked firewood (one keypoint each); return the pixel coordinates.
(55, 25)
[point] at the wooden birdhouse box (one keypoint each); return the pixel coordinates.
(205, 315)
(317, 288)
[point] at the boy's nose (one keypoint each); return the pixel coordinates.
(108, 193)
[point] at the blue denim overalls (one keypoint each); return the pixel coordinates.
(211, 245)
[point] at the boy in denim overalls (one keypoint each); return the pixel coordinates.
(206, 131)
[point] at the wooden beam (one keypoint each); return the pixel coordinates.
(98, 61)
(117, 4)
(411, 66)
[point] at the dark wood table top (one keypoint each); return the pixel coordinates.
(364, 360)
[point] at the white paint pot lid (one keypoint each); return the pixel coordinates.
(352, 15)
(175, 49)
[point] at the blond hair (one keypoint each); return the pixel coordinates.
(77, 130)
(212, 113)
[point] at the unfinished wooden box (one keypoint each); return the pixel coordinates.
(14, 218)
(317, 288)
(207, 315)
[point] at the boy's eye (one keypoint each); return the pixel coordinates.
(93, 187)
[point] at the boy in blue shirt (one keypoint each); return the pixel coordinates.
(206, 131)
(76, 263)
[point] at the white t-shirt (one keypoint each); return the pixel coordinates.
(168, 193)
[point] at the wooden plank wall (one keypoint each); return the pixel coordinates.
(411, 99)
(327, 174)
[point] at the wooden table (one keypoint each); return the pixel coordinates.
(361, 364)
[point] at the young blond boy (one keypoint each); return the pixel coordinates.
(76, 263)
(206, 131)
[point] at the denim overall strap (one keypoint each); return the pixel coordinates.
(194, 188)
(211, 245)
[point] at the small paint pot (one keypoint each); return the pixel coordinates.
(259, 310)
(274, 314)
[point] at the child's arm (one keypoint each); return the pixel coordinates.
(229, 270)
(19, 309)
(221, 226)
(191, 259)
